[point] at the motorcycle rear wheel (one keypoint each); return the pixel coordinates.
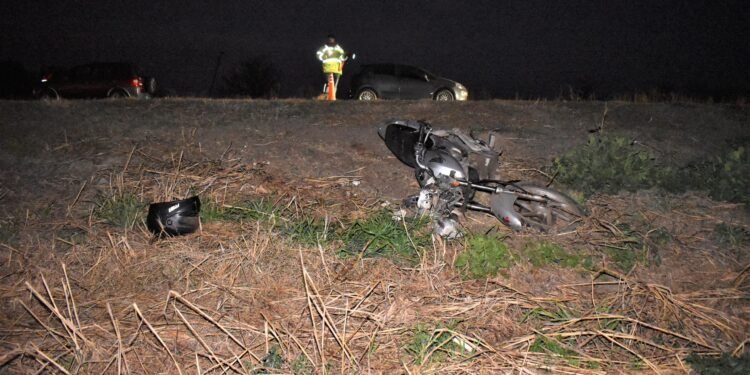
(559, 214)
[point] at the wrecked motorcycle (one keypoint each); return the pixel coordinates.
(457, 172)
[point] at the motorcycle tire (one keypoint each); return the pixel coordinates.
(560, 214)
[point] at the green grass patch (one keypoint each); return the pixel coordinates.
(484, 257)
(305, 230)
(542, 253)
(433, 345)
(660, 236)
(625, 259)
(608, 164)
(8, 231)
(555, 348)
(560, 314)
(272, 360)
(213, 212)
(608, 307)
(302, 229)
(732, 236)
(122, 210)
(726, 364)
(543, 344)
(71, 236)
(301, 366)
(381, 235)
(626, 248)
(255, 210)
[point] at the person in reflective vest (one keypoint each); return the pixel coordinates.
(332, 56)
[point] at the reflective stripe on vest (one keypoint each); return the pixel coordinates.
(328, 52)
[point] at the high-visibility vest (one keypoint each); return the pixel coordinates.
(332, 58)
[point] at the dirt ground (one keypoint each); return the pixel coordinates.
(242, 289)
(70, 140)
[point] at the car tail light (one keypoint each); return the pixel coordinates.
(137, 82)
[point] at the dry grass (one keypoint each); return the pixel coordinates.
(229, 298)
(80, 295)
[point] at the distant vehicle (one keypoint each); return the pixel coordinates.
(97, 80)
(397, 81)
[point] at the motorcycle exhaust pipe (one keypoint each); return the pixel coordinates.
(500, 189)
(474, 207)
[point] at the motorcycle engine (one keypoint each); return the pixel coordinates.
(438, 200)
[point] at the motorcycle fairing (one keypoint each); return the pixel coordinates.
(401, 137)
(443, 164)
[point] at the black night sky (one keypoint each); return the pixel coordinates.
(497, 48)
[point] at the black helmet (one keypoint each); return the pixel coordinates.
(174, 218)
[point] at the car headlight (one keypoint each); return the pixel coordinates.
(461, 92)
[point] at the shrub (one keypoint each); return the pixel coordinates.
(725, 177)
(608, 164)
